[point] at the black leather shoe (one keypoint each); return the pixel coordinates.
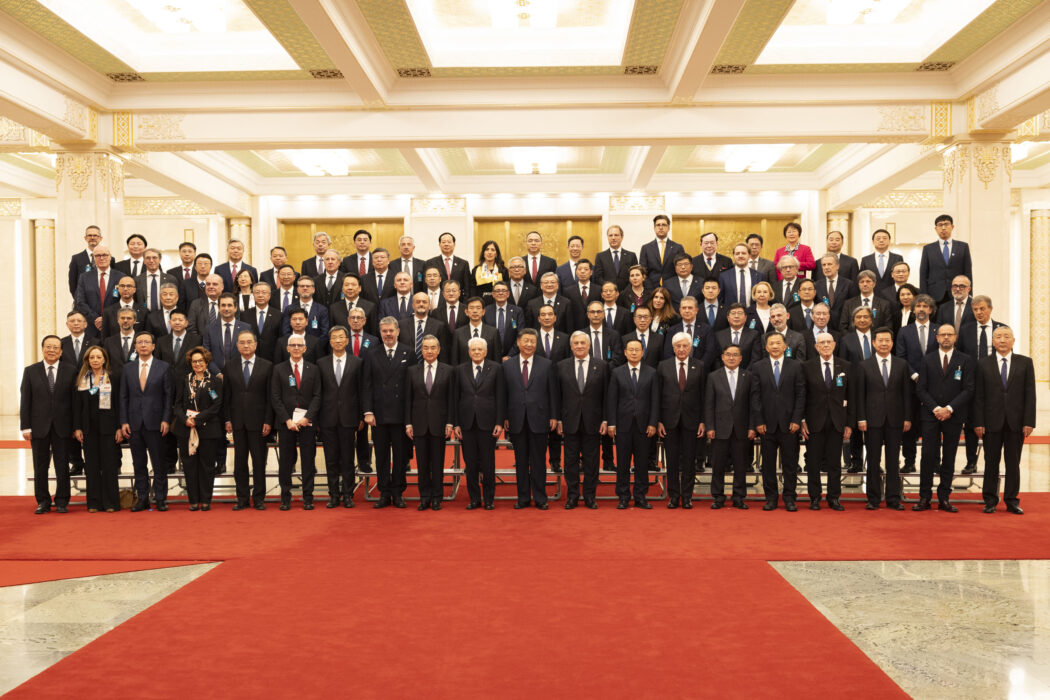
(61, 509)
(687, 503)
(162, 506)
(770, 505)
(194, 506)
(740, 505)
(139, 506)
(642, 503)
(895, 506)
(871, 506)
(309, 505)
(835, 505)
(969, 469)
(423, 505)
(383, 502)
(240, 506)
(489, 506)
(609, 467)
(40, 510)
(399, 502)
(622, 505)
(923, 504)
(908, 469)
(989, 509)
(260, 505)
(1016, 510)
(473, 505)
(556, 468)
(333, 502)
(717, 505)
(571, 503)
(590, 503)
(671, 504)
(790, 507)
(521, 504)
(76, 470)
(543, 506)
(348, 502)
(364, 468)
(286, 506)
(205, 506)
(945, 505)
(435, 504)
(814, 505)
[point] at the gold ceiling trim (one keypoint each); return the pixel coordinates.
(159, 127)
(63, 35)
(163, 206)
(281, 20)
(985, 27)
(903, 119)
(650, 32)
(10, 207)
(637, 203)
(438, 206)
(24, 164)
(754, 27)
(908, 199)
(825, 68)
(392, 25)
(227, 76)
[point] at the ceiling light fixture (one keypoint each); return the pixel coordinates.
(542, 160)
(841, 12)
(753, 158)
(317, 162)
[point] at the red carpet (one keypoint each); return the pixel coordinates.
(494, 604)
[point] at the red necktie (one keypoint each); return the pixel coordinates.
(534, 270)
(186, 273)
(298, 378)
(448, 268)
(361, 267)
(452, 318)
(525, 372)
(357, 344)
(233, 274)
(101, 290)
(681, 376)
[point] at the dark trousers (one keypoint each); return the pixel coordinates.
(853, 453)
(530, 468)
(74, 453)
(43, 448)
(149, 443)
(287, 441)
(581, 450)
(364, 450)
(632, 443)
(200, 468)
(940, 441)
(249, 443)
(430, 466)
(736, 451)
(101, 466)
(1008, 444)
(608, 451)
(909, 443)
(680, 460)
(824, 453)
(479, 459)
(971, 446)
(170, 449)
(390, 438)
(338, 443)
(786, 444)
(554, 442)
(888, 438)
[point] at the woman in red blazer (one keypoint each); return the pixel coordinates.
(802, 253)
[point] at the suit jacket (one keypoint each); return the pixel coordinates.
(649, 258)
(142, 288)
(680, 408)
(146, 410)
(622, 321)
(42, 410)
(851, 350)
(531, 407)
(418, 272)
(996, 409)
(773, 406)
(114, 347)
(529, 291)
(674, 289)
(627, 407)
(811, 341)
(429, 412)
(829, 406)
(341, 403)
(266, 336)
(339, 314)
(513, 320)
(796, 345)
(460, 270)
(367, 344)
(383, 390)
(946, 313)
(870, 262)
(969, 340)
(750, 342)
(728, 414)
(391, 306)
(565, 319)
(277, 299)
(441, 314)
(316, 320)
(605, 268)
(285, 396)
(935, 277)
(566, 276)
(248, 406)
(880, 308)
(270, 277)
(463, 335)
(125, 265)
(482, 404)
(654, 347)
(573, 293)
(610, 345)
(720, 315)
(703, 342)
(68, 354)
(210, 418)
(157, 324)
(321, 293)
(369, 286)
(844, 289)
(111, 327)
(190, 290)
(78, 265)
(730, 287)
(309, 267)
(585, 408)
(86, 299)
(214, 340)
(848, 268)
(797, 319)
(314, 349)
(432, 326)
(546, 264)
(223, 271)
(767, 269)
(883, 405)
(908, 348)
(199, 315)
(792, 299)
(954, 388)
(559, 347)
(722, 263)
(165, 350)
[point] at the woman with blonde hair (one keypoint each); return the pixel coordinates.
(761, 303)
(96, 425)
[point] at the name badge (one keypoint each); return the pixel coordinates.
(105, 398)
(93, 390)
(366, 343)
(133, 356)
(291, 381)
(313, 324)
(633, 308)
(874, 312)
(795, 296)
(788, 352)
(513, 324)
(419, 277)
(87, 268)
(696, 342)
(826, 301)
(116, 295)
(212, 394)
(752, 325)
(608, 354)
(958, 374)
(839, 381)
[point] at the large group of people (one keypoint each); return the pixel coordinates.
(586, 363)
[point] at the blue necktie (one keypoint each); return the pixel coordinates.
(419, 342)
(634, 377)
(827, 374)
(776, 372)
(616, 260)
(809, 319)
(947, 253)
(499, 322)
(547, 343)
(247, 372)
(741, 292)
(227, 341)
(1003, 374)
(153, 303)
(711, 315)
(885, 372)
(867, 348)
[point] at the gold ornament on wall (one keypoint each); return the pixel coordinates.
(902, 118)
(986, 162)
(159, 127)
(948, 164)
(438, 206)
(10, 207)
(77, 168)
(627, 203)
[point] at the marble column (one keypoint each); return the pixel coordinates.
(839, 221)
(46, 284)
(241, 229)
(976, 180)
(1039, 293)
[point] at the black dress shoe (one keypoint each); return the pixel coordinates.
(61, 509)
(871, 506)
(286, 506)
(671, 504)
(194, 506)
(348, 502)
(489, 506)
(435, 504)
(740, 505)
(423, 505)
(814, 504)
(333, 502)
(205, 506)
(590, 503)
(945, 505)
(609, 467)
(922, 505)
(556, 468)
(521, 504)
(895, 506)
(76, 470)
(1016, 510)
(622, 505)
(240, 506)
(309, 505)
(908, 469)
(399, 502)
(790, 506)
(162, 506)
(260, 505)
(717, 505)
(571, 503)
(642, 503)
(970, 469)
(687, 503)
(383, 502)
(854, 469)
(835, 505)
(989, 509)
(364, 468)
(473, 505)
(139, 506)
(543, 506)
(40, 510)
(770, 505)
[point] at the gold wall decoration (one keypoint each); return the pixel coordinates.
(964, 162)
(509, 235)
(159, 127)
(735, 229)
(1008, 161)
(1015, 198)
(630, 203)
(162, 206)
(110, 173)
(297, 236)
(1039, 292)
(438, 206)
(10, 207)
(986, 162)
(1028, 128)
(987, 103)
(902, 118)
(76, 115)
(76, 167)
(948, 163)
(940, 120)
(910, 199)
(123, 130)
(11, 131)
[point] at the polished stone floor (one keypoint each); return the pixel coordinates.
(941, 629)
(41, 623)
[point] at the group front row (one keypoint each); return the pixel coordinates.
(410, 398)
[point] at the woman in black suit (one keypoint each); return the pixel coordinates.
(489, 270)
(905, 299)
(198, 407)
(662, 308)
(242, 287)
(96, 425)
(761, 303)
(636, 294)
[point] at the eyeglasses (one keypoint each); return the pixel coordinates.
(960, 286)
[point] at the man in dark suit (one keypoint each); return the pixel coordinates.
(710, 264)
(795, 342)
(399, 304)
(958, 310)
(848, 265)
(249, 417)
(657, 256)
(914, 342)
(83, 261)
(205, 309)
(361, 344)
(159, 322)
(564, 311)
(151, 281)
(612, 264)
(533, 406)
(899, 274)
(286, 293)
(448, 265)
(975, 339)
(429, 415)
(145, 415)
(297, 319)
(701, 335)
(553, 345)
(360, 262)
(834, 288)
(383, 400)
(480, 407)
(778, 399)
(800, 316)
(605, 343)
(729, 280)
(339, 310)
(881, 262)
(341, 415)
(450, 309)
(121, 346)
(46, 420)
(505, 317)
(78, 341)
(943, 260)
(617, 317)
(278, 258)
(316, 314)
(96, 289)
(652, 343)
(884, 409)
(311, 267)
(821, 324)
(410, 265)
(196, 286)
(329, 284)
(378, 282)
(220, 337)
(763, 266)
(711, 312)
(475, 328)
(881, 310)
(856, 347)
(632, 412)
(582, 292)
(521, 290)
(727, 418)
(747, 340)
(684, 283)
(133, 265)
(829, 418)
(537, 264)
(187, 255)
(945, 391)
(172, 348)
(264, 321)
(125, 300)
(681, 425)
(295, 394)
(582, 379)
(785, 290)
(234, 265)
(411, 330)
(1003, 416)
(566, 272)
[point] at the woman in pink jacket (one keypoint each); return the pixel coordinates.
(802, 253)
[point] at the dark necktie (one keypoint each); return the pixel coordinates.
(101, 291)
(153, 302)
(742, 290)
(947, 252)
(127, 348)
(711, 315)
(404, 307)
(51, 378)
(641, 337)
(525, 372)
(419, 342)
(331, 282)
(580, 378)
(262, 320)
(339, 371)
(944, 365)
(831, 291)
(379, 285)
(452, 318)
(547, 343)
(135, 268)
(616, 260)
(476, 333)
(827, 374)
(776, 372)
(211, 311)
(477, 375)
(597, 345)
(186, 273)
(982, 345)
(227, 340)
(500, 321)
(361, 266)
(1002, 374)
(885, 372)
(76, 349)
(681, 376)
(247, 372)
(634, 377)
(178, 347)
(867, 348)
(809, 319)
(286, 302)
